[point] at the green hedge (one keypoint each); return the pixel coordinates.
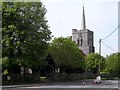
(62, 77)
(18, 79)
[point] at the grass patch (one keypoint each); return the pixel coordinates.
(42, 78)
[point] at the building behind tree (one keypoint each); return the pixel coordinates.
(84, 37)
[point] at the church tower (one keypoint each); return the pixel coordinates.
(84, 37)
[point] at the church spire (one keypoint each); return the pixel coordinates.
(83, 26)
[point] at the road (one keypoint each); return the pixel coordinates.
(77, 85)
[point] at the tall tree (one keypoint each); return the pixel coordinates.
(93, 61)
(25, 33)
(112, 64)
(66, 53)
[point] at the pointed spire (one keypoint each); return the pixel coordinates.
(83, 26)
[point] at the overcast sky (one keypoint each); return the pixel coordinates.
(101, 18)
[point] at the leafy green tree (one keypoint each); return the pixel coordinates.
(25, 33)
(93, 61)
(66, 53)
(112, 64)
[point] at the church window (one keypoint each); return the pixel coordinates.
(81, 41)
(78, 42)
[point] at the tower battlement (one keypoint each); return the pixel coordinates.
(74, 31)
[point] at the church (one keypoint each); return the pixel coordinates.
(84, 37)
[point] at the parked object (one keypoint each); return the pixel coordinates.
(97, 80)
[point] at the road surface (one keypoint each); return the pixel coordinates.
(77, 85)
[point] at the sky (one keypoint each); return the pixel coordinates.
(101, 18)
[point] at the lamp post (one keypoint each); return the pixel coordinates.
(99, 53)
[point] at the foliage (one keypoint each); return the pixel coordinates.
(65, 53)
(112, 64)
(93, 60)
(5, 72)
(25, 33)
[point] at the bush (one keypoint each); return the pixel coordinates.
(63, 77)
(20, 79)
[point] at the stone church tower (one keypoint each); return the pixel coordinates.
(84, 37)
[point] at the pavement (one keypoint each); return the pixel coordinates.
(66, 85)
(78, 82)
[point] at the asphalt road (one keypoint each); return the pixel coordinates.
(76, 85)
(63, 89)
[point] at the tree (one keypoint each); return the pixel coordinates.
(25, 34)
(92, 62)
(112, 64)
(66, 53)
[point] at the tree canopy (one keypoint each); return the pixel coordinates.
(25, 33)
(112, 64)
(66, 53)
(92, 62)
